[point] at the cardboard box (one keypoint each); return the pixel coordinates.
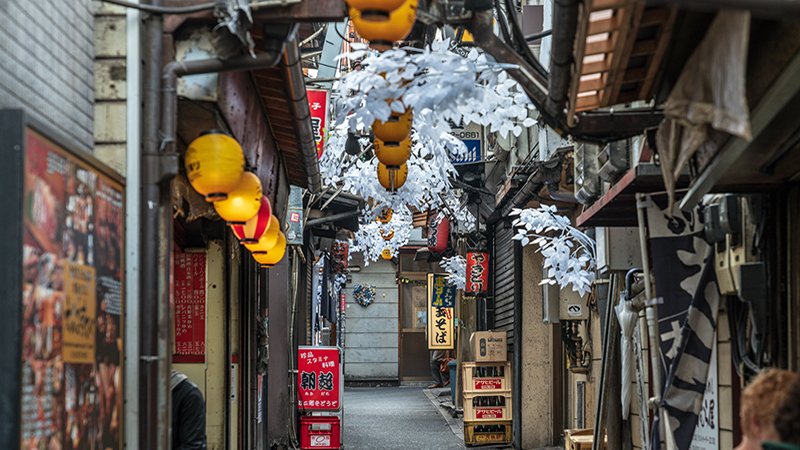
(488, 345)
(580, 439)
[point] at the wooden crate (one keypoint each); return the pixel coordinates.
(580, 439)
(472, 435)
(485, 413)
(474, 384)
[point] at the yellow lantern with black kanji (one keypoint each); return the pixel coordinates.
(383, 34)
(387, 236)
(392, 179)
(385, 216)
(393, 154)
(375, 10)
(396, 128)
(386, 254)
(243, 202)
(214, 164)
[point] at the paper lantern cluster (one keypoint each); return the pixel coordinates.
(215, 168)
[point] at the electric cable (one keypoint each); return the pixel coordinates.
(164, 9)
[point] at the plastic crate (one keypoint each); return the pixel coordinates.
(320, 432)
(485, 376)
(487, 407)
(483, 433)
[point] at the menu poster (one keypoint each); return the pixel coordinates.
(189, 281)
(71, 300)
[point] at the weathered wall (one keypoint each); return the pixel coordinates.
(536, 382)
(110, 86)
(47, 49)
(371, 332)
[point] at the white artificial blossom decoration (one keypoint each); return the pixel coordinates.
(456, 268)
(369, 239)
(569, 254)
(441, 87)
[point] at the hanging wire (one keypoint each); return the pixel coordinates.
(165, 9)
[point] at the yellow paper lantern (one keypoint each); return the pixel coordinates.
(393, 154)
(375, 10)
(386, 254)
(390, 179)
(382, 35)
(274, 255)
(387, 236)
(269, 239)
(385, 215)
(214, 164)
(243, 202)
(396, 128)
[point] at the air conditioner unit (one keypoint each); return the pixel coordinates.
(587, 180)
(615, 159)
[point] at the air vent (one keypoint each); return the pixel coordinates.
(614, 160)
(580, 397)
(587, 181)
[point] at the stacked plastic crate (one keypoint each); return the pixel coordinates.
(487, 402)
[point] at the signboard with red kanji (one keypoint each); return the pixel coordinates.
(440, 326)
(319, 379)
(318, 104)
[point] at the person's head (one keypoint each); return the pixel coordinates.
(760, 402)
(787, 416)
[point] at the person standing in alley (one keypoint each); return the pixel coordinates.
(760, 402)
(188, 414)
(436, 366)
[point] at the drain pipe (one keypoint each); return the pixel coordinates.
(651, 309)
(565, 24)
(301, 113)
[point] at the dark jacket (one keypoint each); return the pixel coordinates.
(188, 415)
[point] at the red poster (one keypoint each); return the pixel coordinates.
(190, 307)
(477, 272)
(319, 379)
(318, 104)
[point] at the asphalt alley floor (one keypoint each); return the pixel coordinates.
(399, 418)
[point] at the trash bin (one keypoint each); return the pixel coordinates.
(452, 366)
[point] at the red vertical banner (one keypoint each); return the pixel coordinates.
(190, 307)
(319, 379)
(318, 104)
(477, 273)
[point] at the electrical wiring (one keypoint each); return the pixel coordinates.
(163, 9)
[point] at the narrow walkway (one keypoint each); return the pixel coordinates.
(394, 418)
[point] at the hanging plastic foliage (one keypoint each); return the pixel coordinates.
(392, 179)
(243, 202)
(393, 154)
(364, 294)
(438, 232)
(253, 229)
(396, 128)
(214, 164)
(383, 34)
(385, 215)
(387, 236)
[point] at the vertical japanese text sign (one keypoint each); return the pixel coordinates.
(477, 273)
(189, 298)
(440, 321)
(318, 379)
(318, 104)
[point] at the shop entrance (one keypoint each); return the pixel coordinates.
(414, 356)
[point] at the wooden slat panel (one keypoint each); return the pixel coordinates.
(630, 18)
(599, 5)
(595, 84)
(603, 25)
(596, 67)
(655, 16)
(587, 102)
(637, 74)
(663, 39)
(605, 46)
(643, 47)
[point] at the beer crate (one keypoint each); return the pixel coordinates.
(484, 406)
(483, 377)
(483, 433)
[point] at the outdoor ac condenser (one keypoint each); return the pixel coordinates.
(587, 180)
(615, 159)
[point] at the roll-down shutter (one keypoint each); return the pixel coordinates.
(505, 281)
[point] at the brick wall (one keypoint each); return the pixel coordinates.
(47, 51)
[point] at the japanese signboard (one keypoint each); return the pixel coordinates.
(294, 217)
(65, 307)
(706, 432)
(477, 273)
(440, 322)
(319, 379)
(318, 104)
(472, 136)
(444, 294)
(189, 284)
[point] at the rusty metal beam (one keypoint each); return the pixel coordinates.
(305, 11)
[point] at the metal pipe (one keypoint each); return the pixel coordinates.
(332, 218)
(539, 35)
(651, 310)
(301, 113)
(565, 24)
(154, 364)
(561, 196)
(154, 9)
